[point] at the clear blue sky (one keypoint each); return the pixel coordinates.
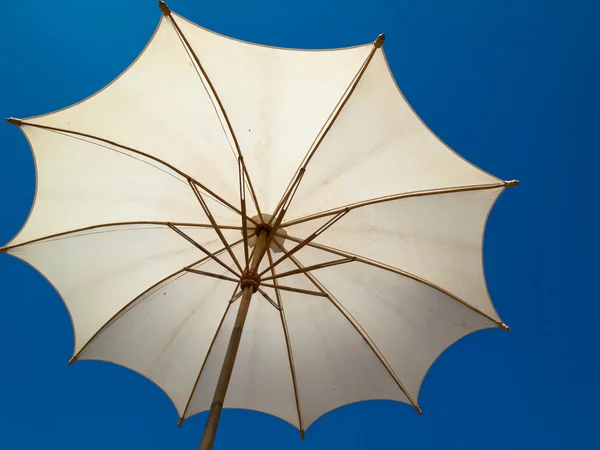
(512, 85)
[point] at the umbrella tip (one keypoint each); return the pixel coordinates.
(164, 8)
(180, 422)
(418, 410)
(504, 326)
(2, 249)
(13, 121)
(511, 183)
(379, 40)
(302, 434)
(72, 360)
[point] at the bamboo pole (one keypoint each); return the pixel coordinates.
(249, 284)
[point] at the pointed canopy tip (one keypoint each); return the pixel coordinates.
(2, 249)
(379, 40)
(180, 422)
(504, 326)
(164, 8)
(418, 410)
(72, 360)
(511, 183)
(13, 121)
(302, 434)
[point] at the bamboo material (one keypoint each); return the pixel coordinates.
(209, 192)
(219, 108)
(361, 332)
(212, 343)
(269, 299)
(202, 249)
(128, 304)
(244, 222)
(305, 242)
(397, 271)
(309, 268)
(288, 344)
(210, 274)
(210, 430)
(293, 289)
(114, 224)
(236, 296)
(212, 220)
(450, 190)
(327, 126)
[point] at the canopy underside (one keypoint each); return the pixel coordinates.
(150, 191)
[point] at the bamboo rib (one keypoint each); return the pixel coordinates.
(396, 197)
(361, 332)
(141, 153)
(220, 110)
(293, 289)
(399, 272)
(268, 298)
(310, 268)
(106, 225)
(202, 249)
(305, 242)
(287, 343)
(376, 45)
(212, 423)
(244, 223)
(331, 120)
(212, 220)
(212, 343)
(211, 274)
(124, 308)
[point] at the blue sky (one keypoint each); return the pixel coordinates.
(509, 84)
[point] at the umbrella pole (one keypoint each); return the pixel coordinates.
(249, 284)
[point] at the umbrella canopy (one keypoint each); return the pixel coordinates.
(214, 168)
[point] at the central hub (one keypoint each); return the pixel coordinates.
(250, 279)
(263, 225)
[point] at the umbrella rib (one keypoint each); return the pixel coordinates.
(286, 202)
(402, 273)
(288, 343)
(234, 244)
(111, 224)
(425, 193)
(220, 110)
(141, 153)
(293, 289)
(236, 296)
(212, 343)
(332, 118)
(201, 248)
(244, 222)
(311, 268)
(269, 299)
(211, 274)
(307, 241)
(361, 332)
(111, 321)
(214, 224)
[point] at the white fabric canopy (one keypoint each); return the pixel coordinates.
(137, 223)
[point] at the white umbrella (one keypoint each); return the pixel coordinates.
(212, 169)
